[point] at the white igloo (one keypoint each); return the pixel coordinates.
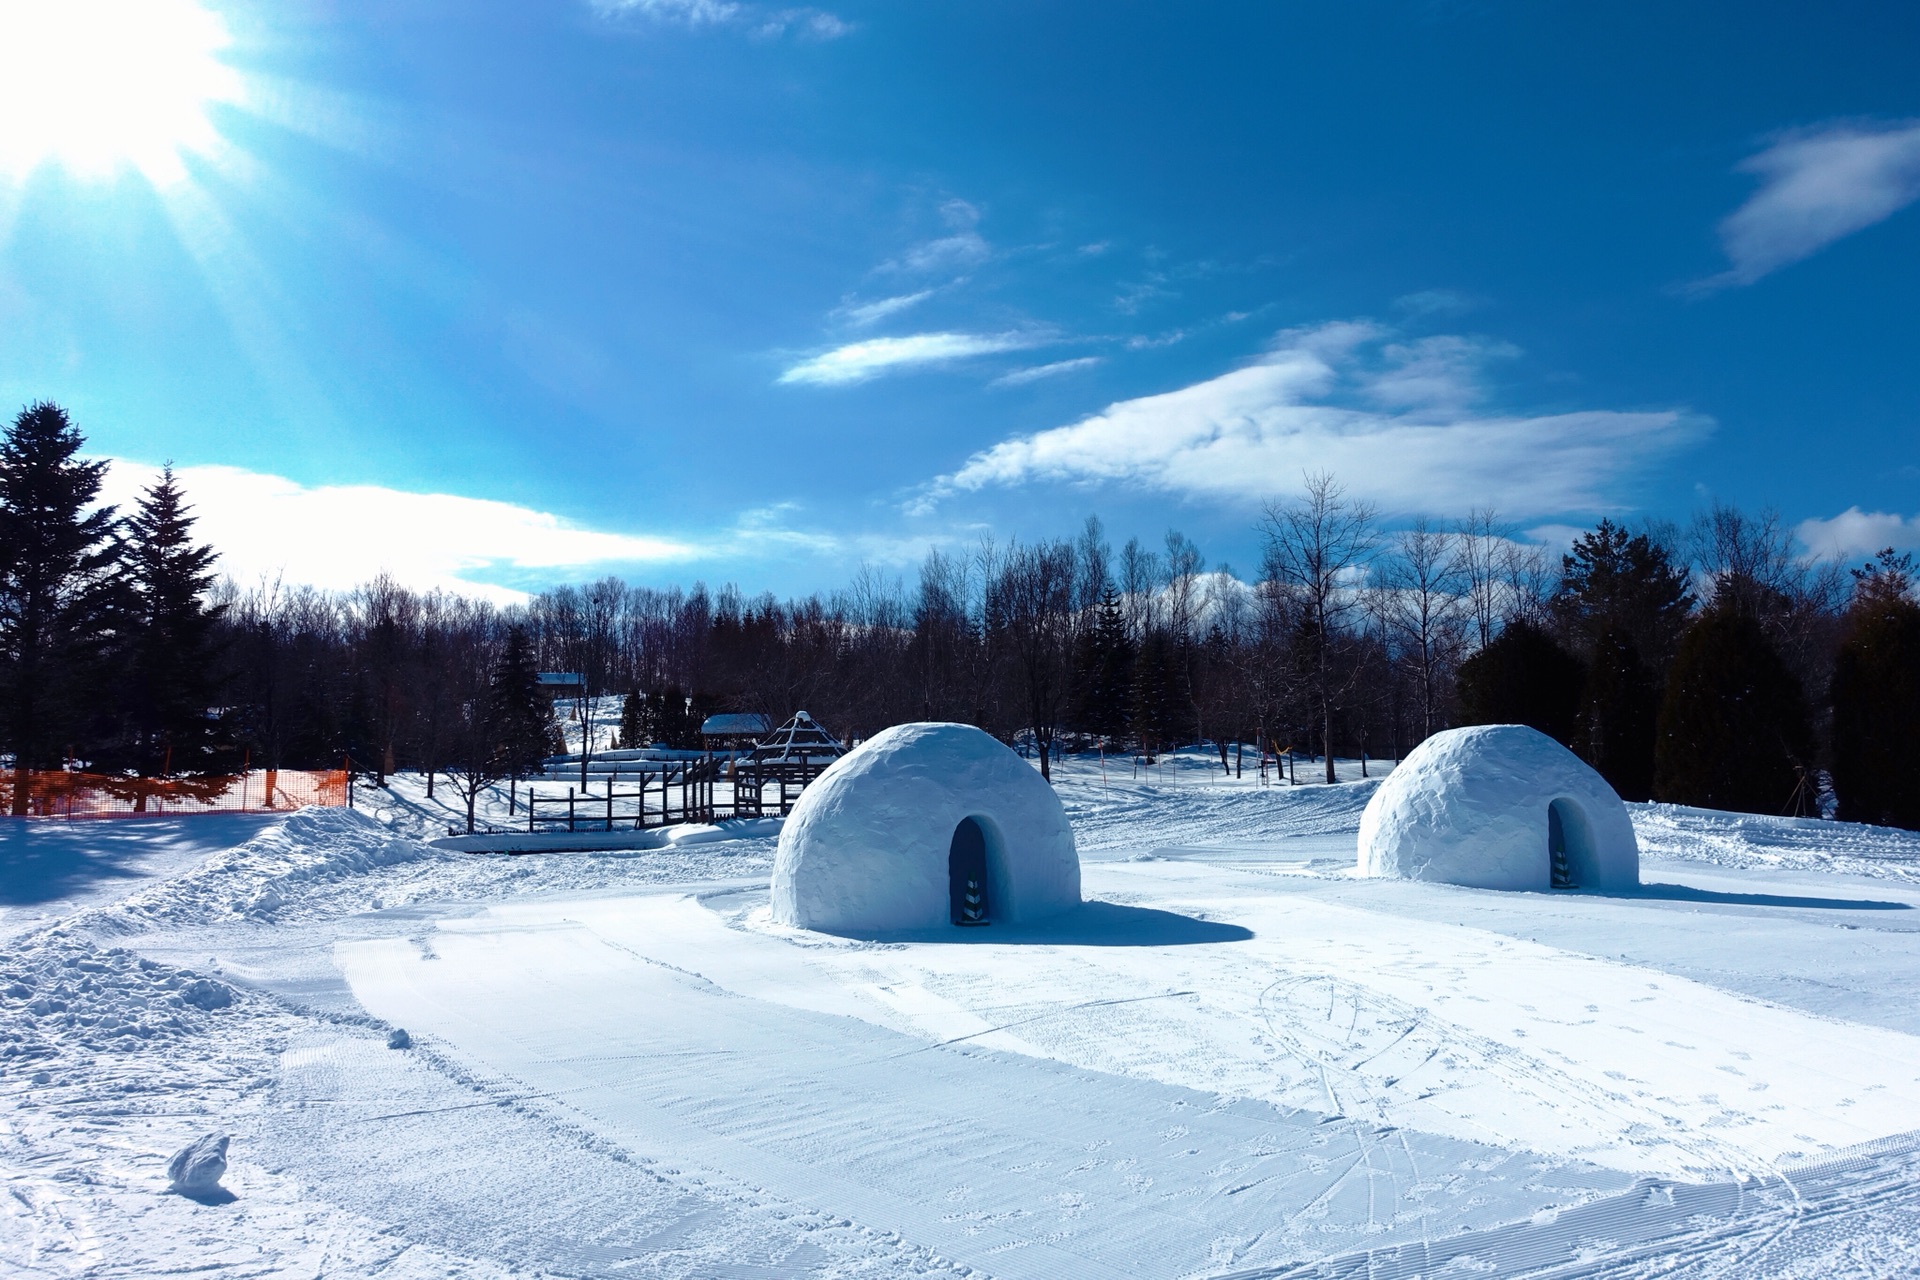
(925, 826)
(1498, 806)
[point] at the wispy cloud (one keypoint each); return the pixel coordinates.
(1857, 534)
(816, 24)
(865, 313)
(1389, 418)
(962, 247)
(336, 536)
(1816, 186)
(1036, 372)
(859, 361)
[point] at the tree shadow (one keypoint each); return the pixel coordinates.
(45, 860)
(1091, 924)
(1686, 893)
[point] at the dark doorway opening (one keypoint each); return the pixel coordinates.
(967, 874)
(1559, 865)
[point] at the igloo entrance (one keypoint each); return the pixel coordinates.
(1570, 860)
(967, 874)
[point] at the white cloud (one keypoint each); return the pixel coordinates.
(1857, 534)
(859, 361)
(815, 24)
(865, 313)
(1036, 372)
(1305, 406)
(1816, 186)
(961, 248)
(336, 536)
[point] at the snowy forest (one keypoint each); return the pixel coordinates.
(1708, 663)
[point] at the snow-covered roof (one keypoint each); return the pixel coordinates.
(871, 845)
(800, 738)
(735, 724)
(1498, 806)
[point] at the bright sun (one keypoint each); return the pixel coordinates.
(95, 85)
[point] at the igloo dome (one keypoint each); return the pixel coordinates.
(925, 826)
(1498, 806)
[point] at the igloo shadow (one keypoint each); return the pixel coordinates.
(1091, 924)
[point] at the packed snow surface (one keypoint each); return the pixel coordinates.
(1235, 1058)
(866, 849)
(1484, 806)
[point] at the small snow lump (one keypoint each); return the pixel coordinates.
(1498, 806)
(399, 1039)
(196, 1169)
(925, 826)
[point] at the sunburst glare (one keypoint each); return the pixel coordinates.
(98, 86)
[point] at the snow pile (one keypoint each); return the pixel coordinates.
(1749, 841)
(257, 879)
(60, 993)
(196, 1169)
(866, 848)
(1484, 806)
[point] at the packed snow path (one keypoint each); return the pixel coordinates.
(1238, 1060)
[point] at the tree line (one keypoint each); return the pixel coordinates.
(1706, 665)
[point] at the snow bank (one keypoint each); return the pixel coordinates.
(615, 841)
(61, 997)
(259, 878)
(866, 848)
(1475, 807)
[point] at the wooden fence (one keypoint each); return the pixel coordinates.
(693, 791)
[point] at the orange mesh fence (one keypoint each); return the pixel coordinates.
(62, 794)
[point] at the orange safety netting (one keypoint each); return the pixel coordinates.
(56, 793)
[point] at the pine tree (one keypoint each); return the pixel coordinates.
(170, 680)
(1155, 697)
(1523, 677)
(1876, 698)
(1618, 714)
(522, 718)
(59, 602)
(1733, 729)
(633, 719)
(1103, 672)
(1613, 581)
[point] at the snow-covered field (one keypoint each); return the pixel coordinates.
(1236, 1060)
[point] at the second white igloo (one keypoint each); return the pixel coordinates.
(1499, 806)
(925, 826)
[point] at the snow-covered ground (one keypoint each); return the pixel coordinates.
(1237, 1059)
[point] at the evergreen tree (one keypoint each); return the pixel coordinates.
(521, 718)
(1733, 729)
(1876, 698)
(1618, 713)
(1103, 671)
(1613, 581)
(633, 719)
(1155, 700)
(59, 601)
(169, 677)
(1523, 677)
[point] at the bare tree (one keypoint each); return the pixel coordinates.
(1313, 549)
(1476, 548)
(1421, 604)
(1030, 604)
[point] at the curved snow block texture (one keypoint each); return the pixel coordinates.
(925, 826)
(1498, 806)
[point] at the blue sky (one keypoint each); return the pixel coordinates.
(509, 293)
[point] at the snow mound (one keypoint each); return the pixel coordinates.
(60, 997)
(1490, 807)
(196, 1169)
(259, 879)
(871, 845)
